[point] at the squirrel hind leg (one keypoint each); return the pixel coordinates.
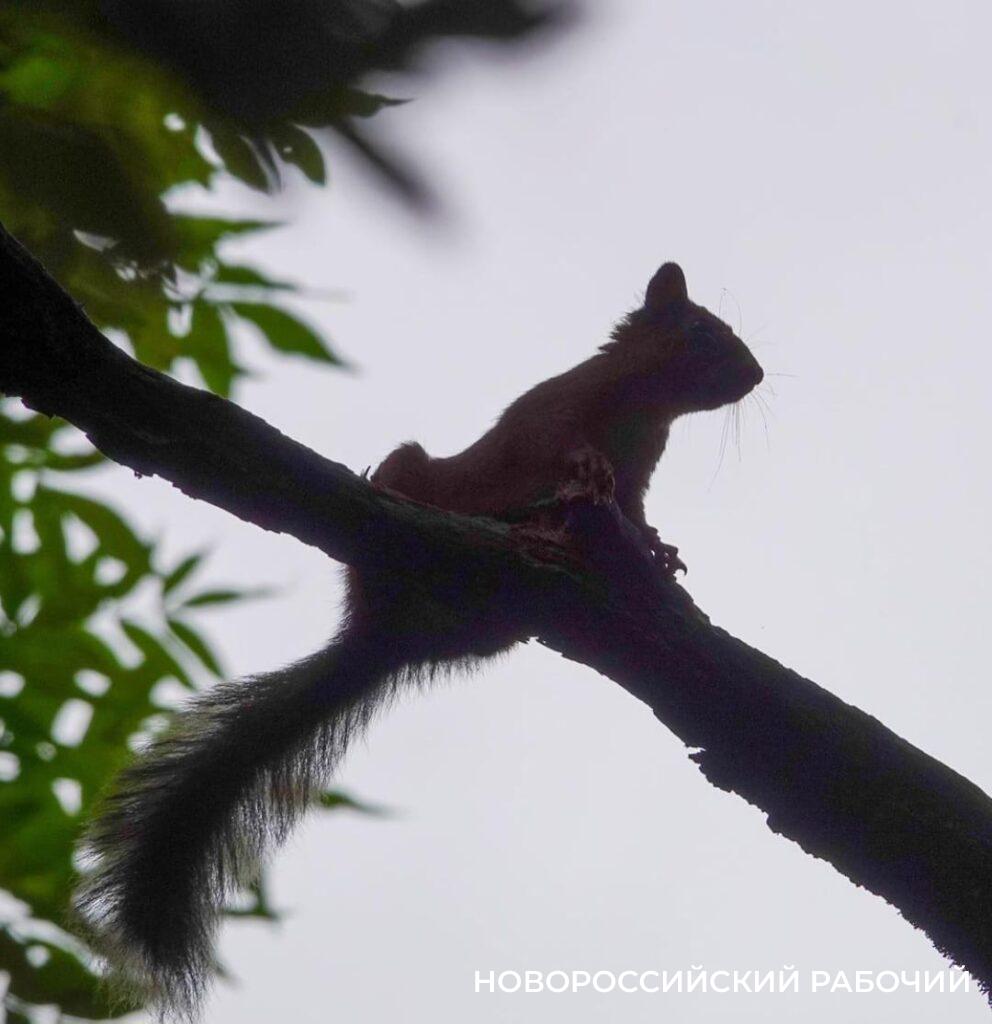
(406, 471)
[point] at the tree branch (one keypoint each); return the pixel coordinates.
(828, 776)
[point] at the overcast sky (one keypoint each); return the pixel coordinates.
(821, 171)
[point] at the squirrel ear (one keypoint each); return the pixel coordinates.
(667, 288)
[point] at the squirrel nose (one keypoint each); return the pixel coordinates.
(757, 374)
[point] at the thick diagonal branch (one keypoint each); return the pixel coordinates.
(827, 775)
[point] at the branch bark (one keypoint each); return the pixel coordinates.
(828, 776)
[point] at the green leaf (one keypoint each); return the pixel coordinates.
(158, 661)
(209, 597)
(297, 146)
(116, 536)
(286, 332)
(62, 979)
(181, 572)
(34, 431)
(333, 800)
(116, 539)
(199, 237)
(240, 157)
(248, 277)
(71, 463)
(335, 105)
(36, 81)
(258, 905)
(209, 348)
(360, 103)
(195, 642)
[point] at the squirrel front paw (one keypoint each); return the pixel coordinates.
(666, 555)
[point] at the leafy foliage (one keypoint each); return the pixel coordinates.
(93, 139)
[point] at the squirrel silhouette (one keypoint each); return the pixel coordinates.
(193, 815)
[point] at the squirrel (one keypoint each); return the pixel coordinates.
(191, 818)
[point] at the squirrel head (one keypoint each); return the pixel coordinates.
(695, 358)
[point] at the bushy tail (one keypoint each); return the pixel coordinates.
(191, 817)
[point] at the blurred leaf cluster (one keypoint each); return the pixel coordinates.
(110, 110)
(94, 139)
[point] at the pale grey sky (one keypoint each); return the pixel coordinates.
(821, 172)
